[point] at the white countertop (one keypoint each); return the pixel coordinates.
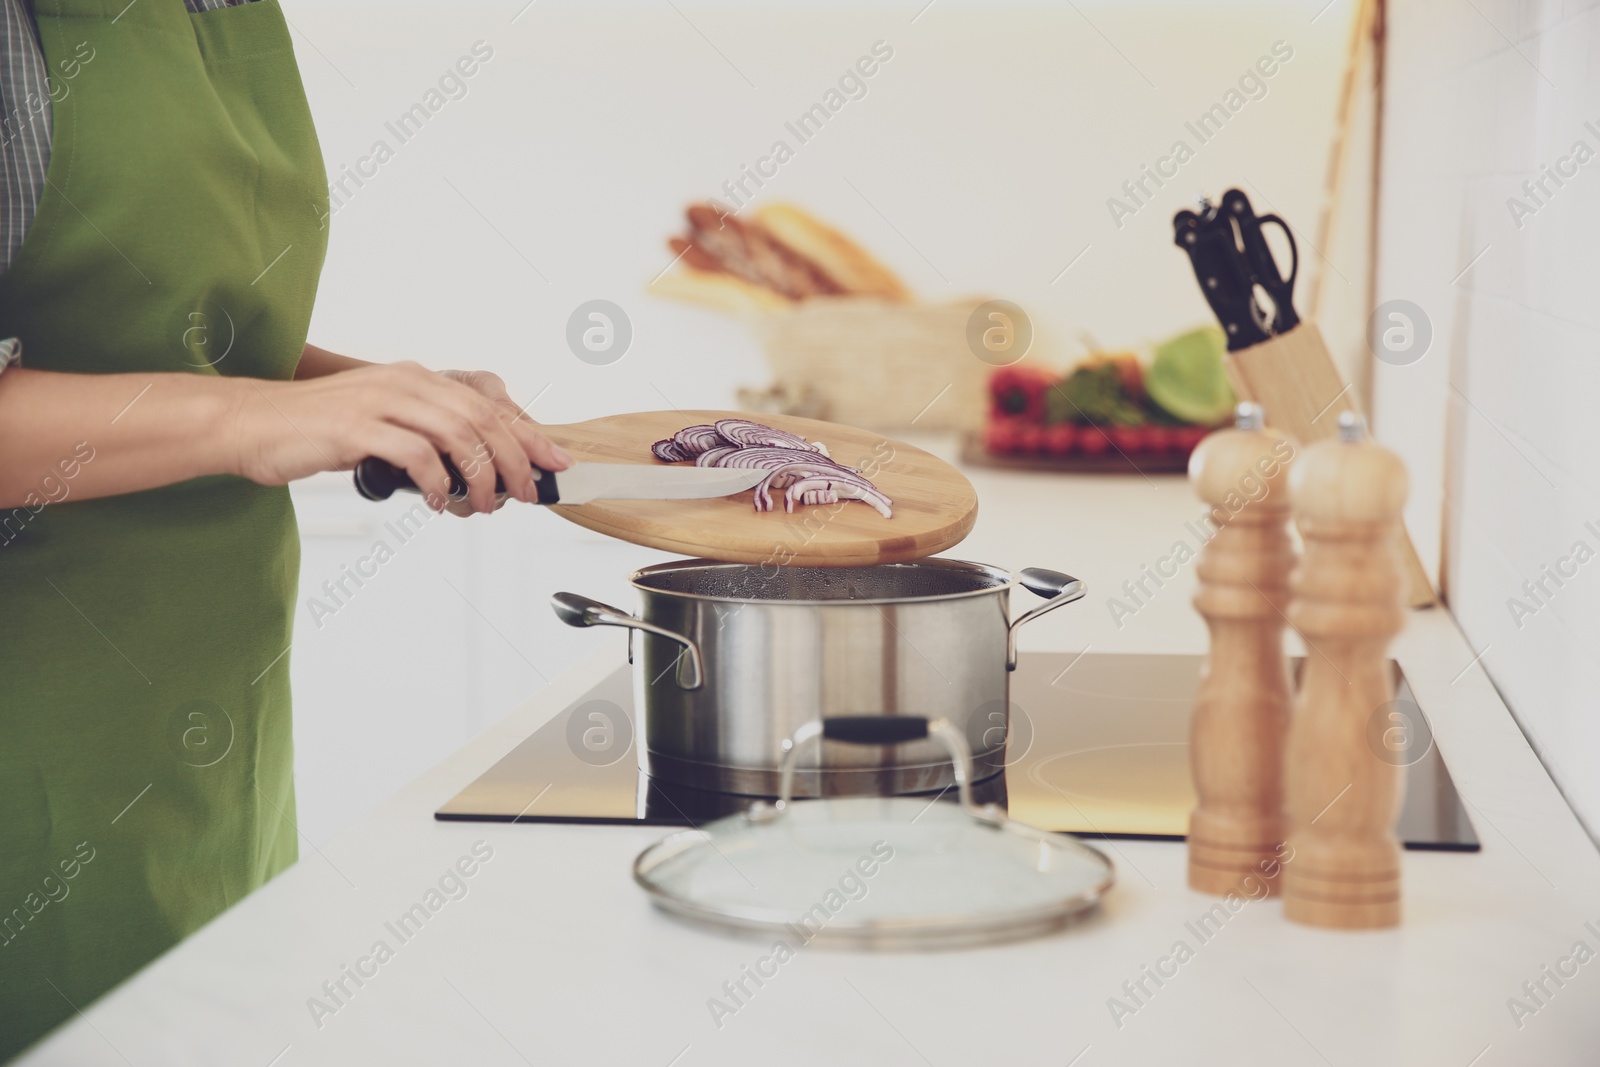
(553, 956)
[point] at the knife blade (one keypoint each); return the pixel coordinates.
(580, 483)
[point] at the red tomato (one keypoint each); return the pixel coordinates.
(1130, 439)
(1001, 437)
(1160, 438)
(1030, 438)
(1059, 439)
(1092, 440)
(1191, 436)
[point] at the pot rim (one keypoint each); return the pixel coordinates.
(1007, 583)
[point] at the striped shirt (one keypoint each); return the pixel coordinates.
(24, 125)
(26, 92)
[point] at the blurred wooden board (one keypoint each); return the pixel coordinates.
(934, 504)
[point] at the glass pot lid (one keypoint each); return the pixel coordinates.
(875, 872)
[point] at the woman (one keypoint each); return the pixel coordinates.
(163, 199)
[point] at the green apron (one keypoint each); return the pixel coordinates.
(146, 778)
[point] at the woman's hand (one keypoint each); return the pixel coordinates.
(402, 413)
(491, 387)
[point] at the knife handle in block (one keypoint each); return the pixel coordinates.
(1294, 377)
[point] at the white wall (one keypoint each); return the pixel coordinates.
(981, 159)
(1498, 420)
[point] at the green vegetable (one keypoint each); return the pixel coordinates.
(1094, 394)
(1188, 380)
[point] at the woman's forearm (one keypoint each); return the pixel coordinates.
(141, 430)
(81, 436)
(94, 435)
(319, 362)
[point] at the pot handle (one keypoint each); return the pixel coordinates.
(1060, 588)
(575, 610)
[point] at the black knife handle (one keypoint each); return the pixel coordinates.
(378, 479)
(1259, 260)
(1224, 279)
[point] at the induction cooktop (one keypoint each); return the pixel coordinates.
(1098, 746)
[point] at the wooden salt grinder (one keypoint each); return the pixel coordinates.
(1349, 602)
(1241, 714)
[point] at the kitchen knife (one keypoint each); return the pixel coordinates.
(1222, 271)
(580, 483)
(1232, 260)
(1263, 267)
(1273, 359)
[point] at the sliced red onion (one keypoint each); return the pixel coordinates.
(770, 456)
(845, 486)
(803, 469)
(693, 440)
(751, 434)
(667, 451)
(785, 475)
(712, 457)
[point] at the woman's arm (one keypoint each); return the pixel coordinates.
(141, 430)
(148, 430)
(319, 362)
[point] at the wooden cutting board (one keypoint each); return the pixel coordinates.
(934, 504)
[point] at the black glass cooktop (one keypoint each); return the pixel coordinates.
(1098, 746)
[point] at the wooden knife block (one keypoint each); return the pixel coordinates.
(1294, 378)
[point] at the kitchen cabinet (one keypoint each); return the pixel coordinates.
(406, 651)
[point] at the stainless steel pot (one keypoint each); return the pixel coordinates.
(736, 658)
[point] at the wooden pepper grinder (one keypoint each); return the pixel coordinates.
(1349, 602)
(1241, 715)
